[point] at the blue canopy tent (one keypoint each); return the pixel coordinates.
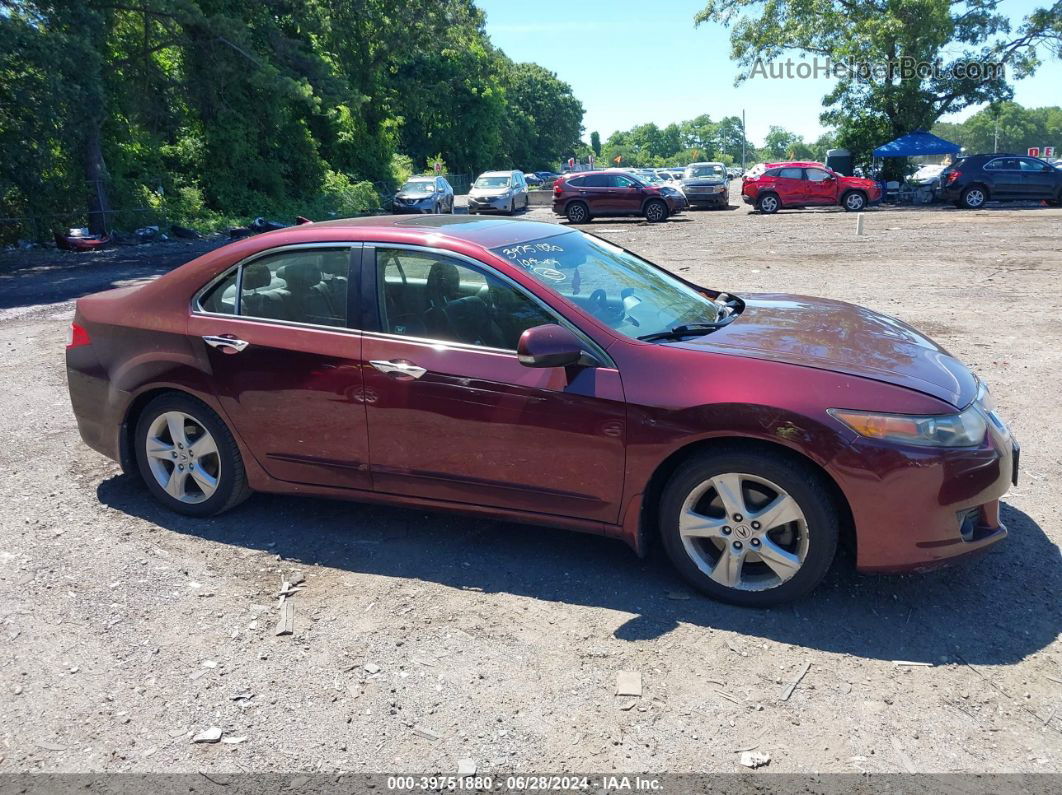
(915, 143)
(919, 142)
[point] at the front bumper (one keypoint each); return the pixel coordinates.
(420, 208)
(917, 509)
(708, 194)
(488, 204)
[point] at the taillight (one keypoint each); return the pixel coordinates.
(954, 175)
(76, 337)
(557, 188)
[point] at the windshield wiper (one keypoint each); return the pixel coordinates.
(678, 332)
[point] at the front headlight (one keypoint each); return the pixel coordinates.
(966, 429)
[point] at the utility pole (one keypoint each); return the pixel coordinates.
(995, 139)
(743, 139)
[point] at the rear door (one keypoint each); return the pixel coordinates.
(791, 186)
(452, 413)
(1004, 174)
(281, 340)
(595, 191)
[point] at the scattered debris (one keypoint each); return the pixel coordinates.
(211, 735)
(911, 662)
(626, 707)
(209, 664)
(371, 668)
(184, 232)
(234, 740)
(754, 759)
(466, 767)
(286, 622)
(727, 696)
(47, 746)
(427, 734)
(628, 683)
(792, 685)
(246, 695)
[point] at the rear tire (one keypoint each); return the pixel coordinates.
(768, 204)
(713, 538)
(578, 213)
(188, 458)
(973, 198)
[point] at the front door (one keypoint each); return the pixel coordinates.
(626, 195)
(287, 366)
(1006, 178)
(1039, 180)
(454, 416)
(820, 186)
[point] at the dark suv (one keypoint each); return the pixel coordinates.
(581, 197)
(973, 180)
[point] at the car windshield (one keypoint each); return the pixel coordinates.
(493, 182)
(625, 292)
(419, 186)
(712, 170)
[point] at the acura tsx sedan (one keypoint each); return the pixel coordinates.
(531, 372)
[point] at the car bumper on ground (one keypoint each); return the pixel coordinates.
(918, 509)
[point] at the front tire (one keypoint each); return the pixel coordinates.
(749, 528)
(188, 458)
(854, 202)
(655, 211)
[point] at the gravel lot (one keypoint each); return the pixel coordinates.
(421, 639)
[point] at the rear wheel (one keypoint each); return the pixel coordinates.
(655, 211)
(188, 458)
(578, 213)
(973, 198)
(768, 203)
(749, 528)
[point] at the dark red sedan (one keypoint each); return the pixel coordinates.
(532, 372)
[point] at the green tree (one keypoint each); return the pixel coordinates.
(595, 143)
(873, 107)
(1015, 127)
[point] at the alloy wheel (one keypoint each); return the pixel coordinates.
(768, 204)
(655, 212)
(744, 531)
(183, 457)
(854, 202)
(975, 197)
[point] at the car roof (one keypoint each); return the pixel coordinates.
(476, 229)
(706, 163)
(795, 164)
(498, 173)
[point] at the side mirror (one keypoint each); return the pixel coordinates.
(551, 346)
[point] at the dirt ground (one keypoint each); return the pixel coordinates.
(423, 639)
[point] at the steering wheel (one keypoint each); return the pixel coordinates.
(599, 307)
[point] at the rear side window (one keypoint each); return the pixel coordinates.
(596, 181)
(307, 286)
(816, 174)
(791, 173)
(577, 182)
(1003, 164)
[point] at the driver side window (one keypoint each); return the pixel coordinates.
(816, 175)
(433, 297)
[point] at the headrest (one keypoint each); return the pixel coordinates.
(256, 275)
(444, 281)
(301, 274)
(334, 262)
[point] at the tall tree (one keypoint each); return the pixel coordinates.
(893, 95)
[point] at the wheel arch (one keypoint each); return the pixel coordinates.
(860, 191)
(648, 530)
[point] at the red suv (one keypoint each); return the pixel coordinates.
(582, 196)
(777, 186)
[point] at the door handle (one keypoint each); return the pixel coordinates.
(398, 368)
(225, 341)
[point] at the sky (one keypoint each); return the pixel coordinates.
(630, 63)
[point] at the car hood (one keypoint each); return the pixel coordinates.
(833, 335)
(704, 181)
(410, 195)
(488, 191)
